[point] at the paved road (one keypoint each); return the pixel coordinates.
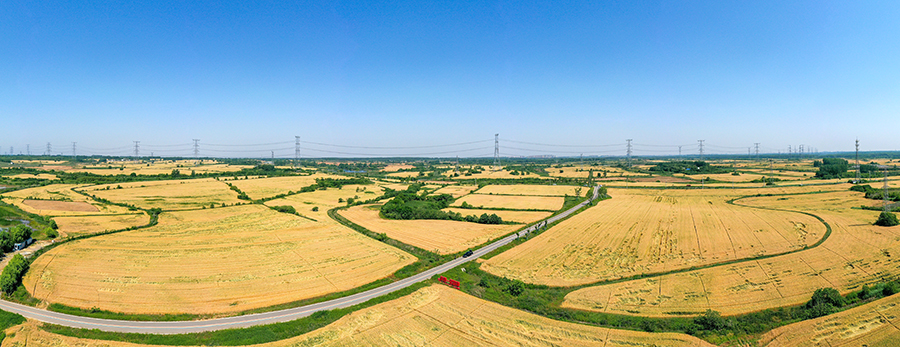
(181, 327)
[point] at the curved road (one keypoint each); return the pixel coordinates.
(182, 327)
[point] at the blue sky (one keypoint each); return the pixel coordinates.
(370, 74)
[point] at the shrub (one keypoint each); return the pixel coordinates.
(887, 219)
(710, 320)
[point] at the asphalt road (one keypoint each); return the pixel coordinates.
(181, 327)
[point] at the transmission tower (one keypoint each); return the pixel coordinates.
(701, 149)
(757, 150)
(628, 151)
(28, 149)
(581, 161)
(800, 153)
(857, 161)
(456, 168)
(296, 151)
(137, 148)
(196, 148)
(496, 152)
(884, 169)
(74, 155)
(48, 148)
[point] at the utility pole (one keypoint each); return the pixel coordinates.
(857, 161)
(137, 145)
(701, 149)
(196, 148)
(496, 152)
(628, 151)
(296, 151)
(757, 150)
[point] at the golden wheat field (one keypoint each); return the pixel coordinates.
(326, 199)
(81, 225)
(873, 324)
(408, 174)
(488, 172)
(42, 176)
(440, 236)
(211, 261)
(544, 203)
(649, 231)
(533, 189)
(856, 253)
(397, 167)
(431, 316)
(157, 167)
(259, 188)
(58, 200)
(507, 216)
(455, 190)
(168, 195)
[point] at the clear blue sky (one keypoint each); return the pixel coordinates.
(780, 73)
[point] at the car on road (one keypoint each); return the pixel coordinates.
(467, 254)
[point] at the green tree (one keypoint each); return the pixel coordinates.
(710, 320)
(20, 233)
(887, 219)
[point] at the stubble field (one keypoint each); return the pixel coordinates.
(543, 203)
(856, 253)
(168, 195)
(650, 231)
(431, 316)
(81, 225)
(440, 236)
(212, 261)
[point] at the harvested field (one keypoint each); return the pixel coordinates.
(68, 206)
(168, 195)
(259, 188)
(158, 167)
(397, 167)
(872, 324)
(440, 236)
(58, 199)
(576, 171)
(42, 176)
(326, 199)
(507, 216)
(408, 174)
(455, 191)
(81, 225)
(532, 189)
(212, 261)
(650, 231)
(488, 173)
(544, 203)
(856, 253)
(432, 316)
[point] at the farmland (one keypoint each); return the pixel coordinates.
(211, 261)
(543, 203)
(456, 190)
(531, 189)
(325, 199)
(649, 231)
(82, 225)
(440, 236)
(58, 199)
(168, 195)
(856, 253)
(258, 188)
(433, 316)
(508, 216)
(872, 324)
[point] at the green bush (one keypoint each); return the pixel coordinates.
(12, 274)
(887, 219)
